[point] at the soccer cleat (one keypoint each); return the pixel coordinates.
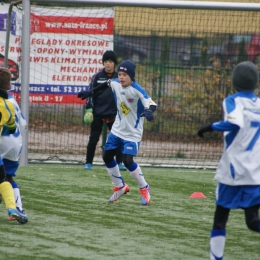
(122, 167)
(15, 214)
(118, 192)
(145, 195)
(21, 211)
(88, 166)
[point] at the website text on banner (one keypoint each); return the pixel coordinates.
(66, 50)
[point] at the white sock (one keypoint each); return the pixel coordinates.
(139, 177)
(18, 199)
(115, 176)
(217, 244)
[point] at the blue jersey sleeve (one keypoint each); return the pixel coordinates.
(224, 126)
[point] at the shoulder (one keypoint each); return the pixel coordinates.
(98, 74)
(8, 104)
(115, 84)
(115, 80)
(12, 99)
(140, 89)
(241, 95)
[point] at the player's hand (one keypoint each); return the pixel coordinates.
(203, 129)
(109, 82)
(84, 94)
(148, 114)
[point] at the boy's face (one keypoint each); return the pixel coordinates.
(109, 66)
(124, 79)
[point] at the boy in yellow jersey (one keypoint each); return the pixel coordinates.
(7, 119)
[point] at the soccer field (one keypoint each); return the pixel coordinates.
(69, 217)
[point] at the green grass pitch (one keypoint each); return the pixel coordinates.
(69, 217)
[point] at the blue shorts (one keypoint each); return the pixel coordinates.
(127, 147)
(10, 167)
(235, 197)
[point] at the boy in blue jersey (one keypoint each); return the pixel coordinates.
(238, 171)
(133, 104)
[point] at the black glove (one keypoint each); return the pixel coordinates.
(148, 114)
(84, 94)
(203, 129)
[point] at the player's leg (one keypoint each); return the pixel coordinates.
(250, 202)
(119, 159)
(119, 155)
(252, 218)
(95, 132)
(10, 169)
(227, 197)
(120, 187)
(7, 193)
(218, 233)
(130, 149)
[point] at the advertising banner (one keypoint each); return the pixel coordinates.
(66, 48)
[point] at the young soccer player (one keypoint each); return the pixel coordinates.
(101, 107)
(10, 150)
(238, 171)
(133, 103)
(7, 120)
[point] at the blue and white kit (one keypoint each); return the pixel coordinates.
(239, 164)
(132, 101)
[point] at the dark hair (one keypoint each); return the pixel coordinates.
(5, 77)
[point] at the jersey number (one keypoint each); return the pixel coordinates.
(256, 136)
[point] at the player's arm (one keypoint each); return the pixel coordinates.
(85, 94)
(148, 110)
(218, 126)
(89, 101)
(233, 119)
(8, 117)
(152, 105)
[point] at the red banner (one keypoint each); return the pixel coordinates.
(71, 25)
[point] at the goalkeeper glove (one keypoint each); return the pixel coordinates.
(148, 114)
(203, 129)
(88, 117)
(84, 94)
